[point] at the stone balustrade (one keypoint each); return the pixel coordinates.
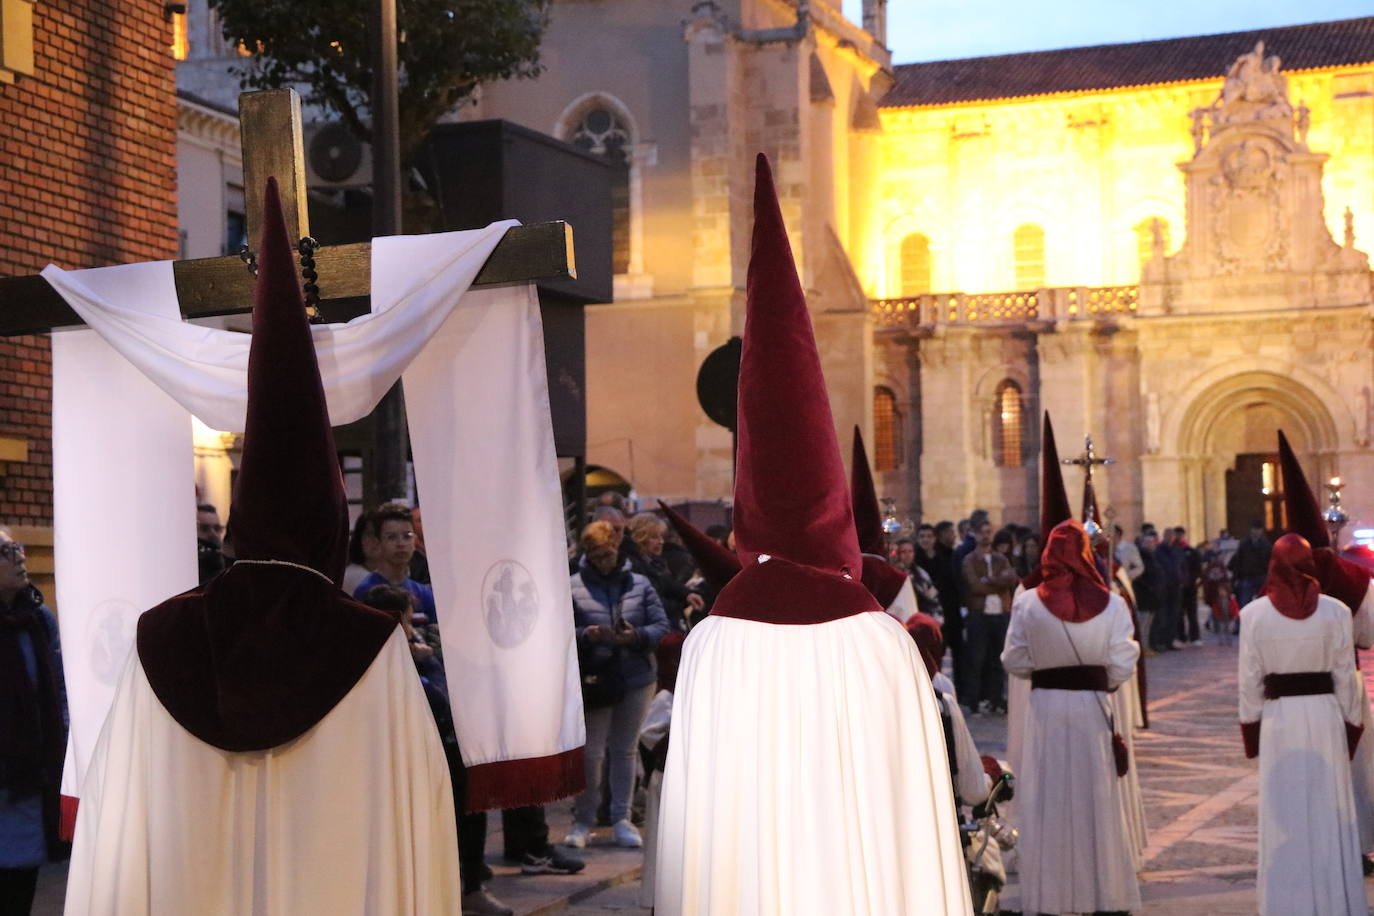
(1061, 303)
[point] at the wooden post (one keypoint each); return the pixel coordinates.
(273, 147)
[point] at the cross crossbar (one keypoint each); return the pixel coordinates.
(272, 146)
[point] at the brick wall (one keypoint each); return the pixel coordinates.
(87, 178)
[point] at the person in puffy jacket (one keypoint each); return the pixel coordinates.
(619, 619)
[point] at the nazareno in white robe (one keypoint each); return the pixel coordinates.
(807, 775)
(1075, 853)
(1362, 767)
(1309, 850)
(353, 817)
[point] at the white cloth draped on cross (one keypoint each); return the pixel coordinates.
(477, 400)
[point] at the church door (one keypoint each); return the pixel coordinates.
(1254, 490)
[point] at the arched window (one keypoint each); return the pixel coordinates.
(887, 430)
(915, 265)
(1145, 237)
(1007, 425)
(602, 132)
(1028, 249)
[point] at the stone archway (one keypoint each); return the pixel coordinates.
(1222, 418)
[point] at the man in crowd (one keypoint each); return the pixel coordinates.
(1148, 585)
(989, 582)
(391, 529)
(1164, 633)
(1249, 563)
(1126, 553)
(209, 542)
(1191, 569)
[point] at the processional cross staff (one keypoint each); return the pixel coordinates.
(1087, 461)
(273, 146)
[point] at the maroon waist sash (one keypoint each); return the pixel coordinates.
(1070, 677)
(1298, 684)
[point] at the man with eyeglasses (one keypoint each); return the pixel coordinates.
(391, 528)
(33, 731)
(209, 542)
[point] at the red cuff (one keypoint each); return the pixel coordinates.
(1352, 737)
(1249, 735)
(66, 824)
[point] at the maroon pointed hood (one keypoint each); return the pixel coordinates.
(792, 501)
(868, 513)
(717, 564)
(1340, 577)
(1054, 499)
(1292, 583)
(263, 651)
(880, 577)
(1071, 585)
(288, 501)
(1303, 508)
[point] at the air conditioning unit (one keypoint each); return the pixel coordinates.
(334, 158)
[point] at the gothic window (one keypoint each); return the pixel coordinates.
(1028, 249)
(915, 258)
(1007, 425)
(1145, 235)
(887, 430)
(603, 133)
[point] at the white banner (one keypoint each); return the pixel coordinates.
(125, 504)
(482, 437)
(478, 402)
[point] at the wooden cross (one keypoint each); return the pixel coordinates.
(273, 145)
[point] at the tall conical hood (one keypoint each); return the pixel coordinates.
(880, 577)
(227, 660)
(1054, 500)
(791, 497)
(1304, 511)
(868, 514)
(288, 501)
(1340, 577)
(717, 564)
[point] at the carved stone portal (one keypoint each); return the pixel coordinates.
(1256, 235)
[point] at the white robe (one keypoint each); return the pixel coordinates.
(1075, 854)
(1126, 710)
(807, 775)
(1309, 856)
(1362, 767)
(658, 720)
(353, 817)
(972, 780)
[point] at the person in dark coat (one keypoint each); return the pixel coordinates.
(33, 731)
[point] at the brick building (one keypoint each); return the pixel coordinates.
(87, 178)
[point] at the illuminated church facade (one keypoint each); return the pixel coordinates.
(1158, 242)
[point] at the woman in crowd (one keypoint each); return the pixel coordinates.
(619, 619)
(648, 532)
(33, 731)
